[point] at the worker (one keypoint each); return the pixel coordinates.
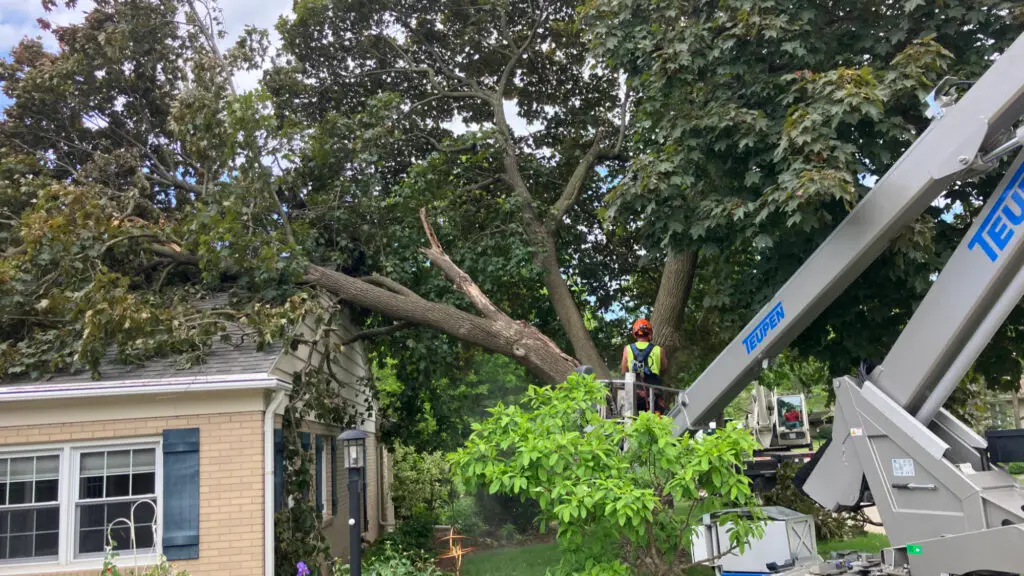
(645, 360)
(792, 417)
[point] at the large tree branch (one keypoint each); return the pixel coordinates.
(459, 279)
(177, 255)
(571, 192)
(390, 285)
(375, 333)
(517, 340)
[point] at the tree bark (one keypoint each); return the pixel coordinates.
(670, 306)
(568, 313)
(517, 340)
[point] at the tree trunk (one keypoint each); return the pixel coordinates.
(568, 313)
(517, 340)
(670, 306)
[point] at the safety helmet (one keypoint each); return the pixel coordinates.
(642, 328)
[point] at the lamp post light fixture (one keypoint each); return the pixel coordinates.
(353, 450)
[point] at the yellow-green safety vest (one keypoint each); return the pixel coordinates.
(653, 360)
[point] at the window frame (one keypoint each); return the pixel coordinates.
(31, 453)
(67, 498)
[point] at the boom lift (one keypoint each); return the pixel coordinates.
(946, 506)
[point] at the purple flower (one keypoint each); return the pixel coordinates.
(303, 569)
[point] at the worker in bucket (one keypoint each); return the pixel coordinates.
(645, 360)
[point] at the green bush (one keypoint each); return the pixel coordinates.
(464, 516)
(414, 535)
(420, 482)
(392, 560)
(508, 534)
(1016, 468)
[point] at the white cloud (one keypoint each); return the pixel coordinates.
(18, 20)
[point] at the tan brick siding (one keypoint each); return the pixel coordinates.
(230, 481)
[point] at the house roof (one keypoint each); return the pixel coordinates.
(221, 360)
(241, 364)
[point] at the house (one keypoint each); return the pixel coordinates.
(192, 456)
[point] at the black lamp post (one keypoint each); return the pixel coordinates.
(353, 450)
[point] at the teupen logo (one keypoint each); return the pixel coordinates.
(766, 325)
(1000, 224)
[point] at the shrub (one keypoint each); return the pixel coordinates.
(414, 535)
(464, 516)
(508, 534)
(391, 560)
(1016, 468)
(420, 482)
(614, 507)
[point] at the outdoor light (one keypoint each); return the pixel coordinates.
(353, 453)
(353, 448)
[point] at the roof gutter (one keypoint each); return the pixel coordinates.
(37, 391)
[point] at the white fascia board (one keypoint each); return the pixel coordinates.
(38, 391)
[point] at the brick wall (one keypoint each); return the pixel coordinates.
(230, 481)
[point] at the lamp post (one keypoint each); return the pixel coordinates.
(353, 450)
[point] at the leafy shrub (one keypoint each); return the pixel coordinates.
(420, 482)
(508, 534)
(464, 516)
(1016, 468)
(414, 535)
(614, 508)
(391, 560)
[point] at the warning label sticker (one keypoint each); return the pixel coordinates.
(902, 467)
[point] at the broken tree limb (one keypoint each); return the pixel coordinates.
(459, 279)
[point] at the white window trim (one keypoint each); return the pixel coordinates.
(66, 561)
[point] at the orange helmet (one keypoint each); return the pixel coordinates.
(642, 328)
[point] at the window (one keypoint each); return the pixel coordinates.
(57, 503)
(115, 488)
(29, 507)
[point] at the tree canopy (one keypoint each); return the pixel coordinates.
(673, 152)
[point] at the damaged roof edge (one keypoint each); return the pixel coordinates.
(38, 391)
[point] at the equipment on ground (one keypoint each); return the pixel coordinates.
(947, 506)
(789, 540)
(778, 422)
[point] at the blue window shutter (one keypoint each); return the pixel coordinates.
(181, 494)
(278, 469)
(319, 473)
(334, 476)
(304, 441)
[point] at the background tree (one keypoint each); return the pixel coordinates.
(756, 123)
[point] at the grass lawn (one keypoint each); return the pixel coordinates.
(870, 543)
(525, 561)
(535, 560)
